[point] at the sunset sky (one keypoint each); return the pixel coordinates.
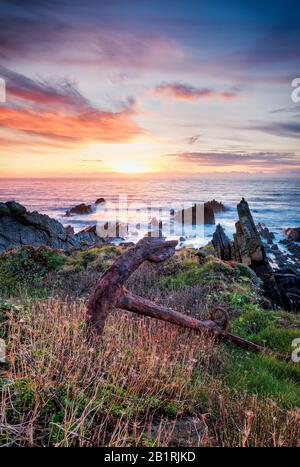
(133, 86)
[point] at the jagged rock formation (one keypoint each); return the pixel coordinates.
(196, 215)
(222, 244)
(216, 206)
(247, 248)
(20, 227)
(265, 233)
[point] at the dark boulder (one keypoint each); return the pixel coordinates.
(216, 206)
(89, 236)
(16, 208)
(4, 210)
(80, 209)
(100, 201)
(293, 248)
(293, 234)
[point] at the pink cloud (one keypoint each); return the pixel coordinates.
(61, 113)
(185, 92)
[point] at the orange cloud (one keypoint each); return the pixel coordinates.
(58, 113)
(92, 125)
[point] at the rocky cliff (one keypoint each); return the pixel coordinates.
(247, 248)
(20, 227)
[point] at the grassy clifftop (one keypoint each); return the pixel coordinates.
(145, 383)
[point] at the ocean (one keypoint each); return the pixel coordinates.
(276, 203)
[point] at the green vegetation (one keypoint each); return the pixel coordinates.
(191, 274)
(261, 374)
(265, 377)
(97, 259)
(26, 268)
(36, 273)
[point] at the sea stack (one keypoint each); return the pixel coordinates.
(247, 248)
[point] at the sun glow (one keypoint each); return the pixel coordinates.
(130, 167)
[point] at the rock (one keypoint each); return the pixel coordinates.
(155, 228)
(216, 206)
(154, 222)
(290, 269)
(293, 234)
(4, 210)
(294, 301)
(221, 244)
(89, 236)
(247, 248)
(196, 215)
(15, 208)
(265, 233)
(100, 201)
(69, 230)
(20, 227)
(294, 248)
(80, 209)
(112, 230)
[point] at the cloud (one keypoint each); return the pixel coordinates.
(63, 93)
(185, 92)
(193, 139)
(255, 44)
(290, 110)
(252, 160)
(62, 113)
(90, 126)
(64, 35)
(281, 129)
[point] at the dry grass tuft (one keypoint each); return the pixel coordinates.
(145, 383)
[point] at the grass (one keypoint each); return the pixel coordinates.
(62, 390)
(266, 378)
(145, 382)
(260, 374)
(98, 259)
(26, 268)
